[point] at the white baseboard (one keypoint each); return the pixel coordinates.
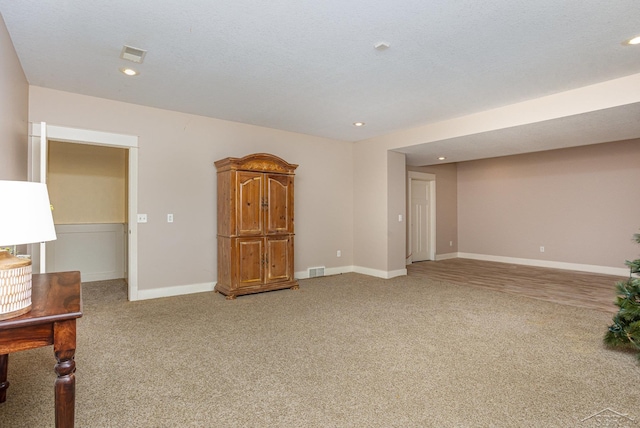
(379, 273)
(102, 276)
(395, 273)
(327, 271)
(606, 270)
(357, 269)
(178, 290)
(446, 256)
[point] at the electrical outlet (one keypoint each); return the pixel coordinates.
(169, 218)
(339, 253)
(542, 249)
(451, 243)
(142, 218)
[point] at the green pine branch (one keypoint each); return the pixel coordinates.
(625, 330)
(634, 265)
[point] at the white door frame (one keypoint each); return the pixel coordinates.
(431, 178)
(40, 133)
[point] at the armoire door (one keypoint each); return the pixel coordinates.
(279, 259)
(279, 211)
(251, 260)
(250, 203)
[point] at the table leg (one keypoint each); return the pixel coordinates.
(4, 384)
(64, 347)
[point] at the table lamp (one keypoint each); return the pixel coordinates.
(25, 218)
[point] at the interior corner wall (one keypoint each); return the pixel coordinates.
(580, 204)
(446, 205)
(176, 174)
(397, 214)
(14, 111)
(370, 238)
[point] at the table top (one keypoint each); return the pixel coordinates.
(54, 297)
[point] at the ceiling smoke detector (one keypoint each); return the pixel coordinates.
(381, 46)
(133, 54)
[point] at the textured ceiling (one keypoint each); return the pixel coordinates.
(311, 66)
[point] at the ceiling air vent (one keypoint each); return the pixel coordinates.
(315, 272)
(132, 54)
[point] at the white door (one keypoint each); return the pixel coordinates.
(420, 211)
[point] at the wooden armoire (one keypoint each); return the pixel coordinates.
(255, 224)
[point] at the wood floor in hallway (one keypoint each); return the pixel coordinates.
(582, 289)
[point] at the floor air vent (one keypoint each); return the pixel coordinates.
(315, 272)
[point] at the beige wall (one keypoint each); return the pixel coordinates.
(370, 237)
(87, 184)
(379, 238)
(176, 175)
(446, 205)
(397, 184)
(14, 96)
(581, 204)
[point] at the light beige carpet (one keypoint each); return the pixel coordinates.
(343, 351)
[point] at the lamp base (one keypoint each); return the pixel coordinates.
(15, 286)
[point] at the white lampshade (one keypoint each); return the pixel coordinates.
(25, 213)
(25, 218)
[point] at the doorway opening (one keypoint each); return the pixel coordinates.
(88, 191)
(39, 137)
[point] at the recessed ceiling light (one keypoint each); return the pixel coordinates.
(634, 41)
(129, 71)
(358, 124)
(441, 158)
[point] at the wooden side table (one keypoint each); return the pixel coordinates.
(56, 304)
